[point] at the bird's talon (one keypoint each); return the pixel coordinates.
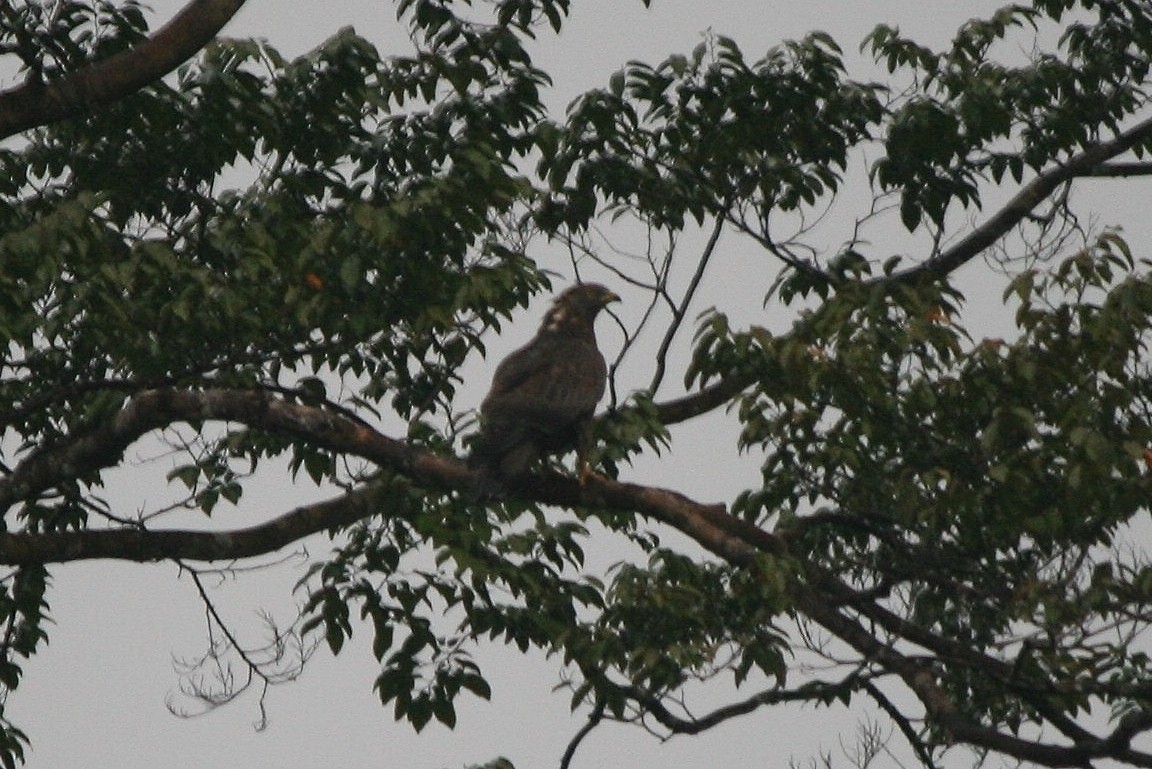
(587, 474)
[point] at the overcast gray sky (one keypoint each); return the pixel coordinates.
(95, 697)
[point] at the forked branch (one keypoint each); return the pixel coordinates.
(1089, 162)
(820, 597)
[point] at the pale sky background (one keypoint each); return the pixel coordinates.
(95, 696)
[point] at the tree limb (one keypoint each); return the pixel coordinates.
(942, 711)
(1084, 163)
(135, 544)
(584, 731)
(1121, 170)
(37, 103)
(820, 597)
(902, 723)
(678, 313)
(1090, 162)
(816, 691)
(104, 445)
(702, 401)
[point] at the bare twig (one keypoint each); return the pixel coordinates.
(681, 309)
(214, 618)
(902, 723)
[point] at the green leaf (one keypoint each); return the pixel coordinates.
(186, 474)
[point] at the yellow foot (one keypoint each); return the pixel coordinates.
(587, 474)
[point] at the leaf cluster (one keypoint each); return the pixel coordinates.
(972, 116)
(983, 487)
(49, 40)
(694, 136)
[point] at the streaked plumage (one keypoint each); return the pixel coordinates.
(544, 394)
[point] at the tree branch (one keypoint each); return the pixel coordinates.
(36, 103)
(820, 597)
(104, 445)
(702, 401)
(135, 544)
(815, 691)
(1121, 170)
(593, 721)
(902, 723)
(1090, 162)
(942, 711)
(678, 313)
(1084, 163)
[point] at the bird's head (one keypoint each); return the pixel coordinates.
(574, 311)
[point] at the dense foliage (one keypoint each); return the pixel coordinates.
(271, 265)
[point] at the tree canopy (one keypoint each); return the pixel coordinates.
(277, 267)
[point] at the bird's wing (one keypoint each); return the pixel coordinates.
(565, 379)
(540, 395)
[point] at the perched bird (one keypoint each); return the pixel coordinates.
(544, 394)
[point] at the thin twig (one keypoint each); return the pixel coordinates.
(902, 723)
(680, 311)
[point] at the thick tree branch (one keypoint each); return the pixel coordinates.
(724, 535)
(131, 544)
(821, 598)
(956, 653)
(1122, 170)
(942, 711)
(36, 103)
(103, 447)
(917, 676)
(702, 401)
